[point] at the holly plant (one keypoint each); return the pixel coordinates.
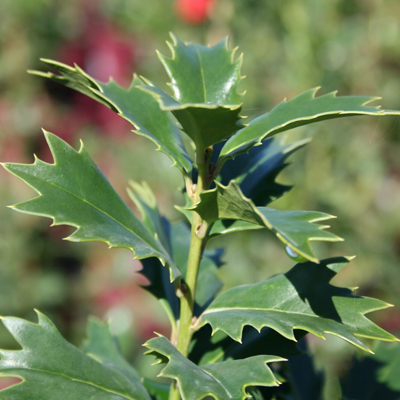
(246, 342)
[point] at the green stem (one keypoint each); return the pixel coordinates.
(197, 243)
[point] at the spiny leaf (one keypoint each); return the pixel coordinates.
(202, 74)
(204, 81)
(256, 171)
(294, 228)
(133, 104)
(223, 381)
(86, 201)
(302, 110)
(51, 368)
(300, 299)
(206, 349)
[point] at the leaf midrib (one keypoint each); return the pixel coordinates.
(87, 202)
(76, 380)
(217, 310)
(202, 75)
(284, 125)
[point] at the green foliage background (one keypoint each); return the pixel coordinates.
(351, 168)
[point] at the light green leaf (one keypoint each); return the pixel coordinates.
(294, 228)
(146, 202)
(133, 104)
(103, 347)
(302, 110)
(223, 381)
(300, 299)
(204, 81)
(51, 368)
(85, 201)
(202, 74)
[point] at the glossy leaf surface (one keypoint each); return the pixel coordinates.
(133, 104)
(86, 201)
(302, 110)
(222, 381)
(300, 299)
(204, 81)
(294, 228)
(51, 368)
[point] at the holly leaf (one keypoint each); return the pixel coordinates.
(256, 171)
(51, 368)
(222, 381)
(204, 81)
(300, 299)
(293, 228)
(103, 347)
(375, 376)
(86, 201)
(136, 106)
(302, 110)
(206, 349)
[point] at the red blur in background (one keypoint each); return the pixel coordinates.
(194, 11)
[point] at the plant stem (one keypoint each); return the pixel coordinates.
(197, 242)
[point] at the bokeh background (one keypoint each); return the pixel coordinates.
(351, 168)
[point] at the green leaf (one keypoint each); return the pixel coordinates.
(222, 381)
(204, 81)
(375, 376)
(206, 349)
(256, 171)
(202, 74)
(300, 299)
(103, 347)
(158, 390)
(133, 104)
(51, 368)
(294, 228)
(74, 192)
(302, 110)
(146, 202)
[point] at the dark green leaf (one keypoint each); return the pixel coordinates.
(294, 228)
(158, 390)
(300, 299)
(302, 110)
(133, 104)
(256, 171)
(51, 368)
(207, 349)
(85, 201)
(375, 376)
(222, 381)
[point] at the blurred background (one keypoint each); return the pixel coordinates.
(351, 168)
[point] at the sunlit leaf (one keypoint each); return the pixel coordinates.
(231, 211)
(300, 299)
(302, 110)
(204, 81)
(86, 201)
(51, 368)
(133, 104)
(222, 381)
